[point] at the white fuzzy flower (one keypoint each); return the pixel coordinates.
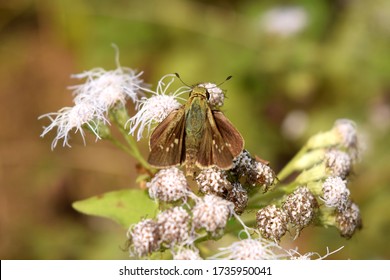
(144, 237)
(250, 249)
(339, 163)
(212, 213)
(174, 226)
(100, 92)
(157, 107)
(187, 254)
(217, 96)
(69, 118)
(285, 21)
(335, 193)
(213, 181)
(168, 185)
(348, 134)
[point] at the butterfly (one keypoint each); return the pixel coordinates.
(195, 135)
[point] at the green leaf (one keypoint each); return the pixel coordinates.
(125, 207)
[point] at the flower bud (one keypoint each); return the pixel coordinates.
(300, 207)
(168, 185)
(272, 222)
(173, 225)
(212, 213)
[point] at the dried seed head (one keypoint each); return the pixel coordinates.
(338, 163)
(144, 237)
(256, 172)
(213, 181)
(261, 174)
(300, 207)
(217, 96)
(239, 196)
(272, 222)
(349, 220)
(251, 249)
(168, 185)
(243, 163)
(174, 226)
(187, 254)
(335, 193)
(211, 212)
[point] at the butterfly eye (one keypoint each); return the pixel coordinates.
(207, 94)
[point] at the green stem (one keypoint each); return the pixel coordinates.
(260, 199)
(290, 167)
(132, 144)
(120, 117)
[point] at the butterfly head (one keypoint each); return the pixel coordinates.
(200, 91)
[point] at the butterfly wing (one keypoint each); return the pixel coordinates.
(221, 142)
(229, 133)
(167, 141)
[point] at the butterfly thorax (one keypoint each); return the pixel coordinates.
(194, 127)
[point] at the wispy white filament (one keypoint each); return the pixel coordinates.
(157, 107)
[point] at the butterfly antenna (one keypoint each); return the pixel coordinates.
(227, 79)
(178, 76)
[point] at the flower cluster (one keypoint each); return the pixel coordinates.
(173, 225)
(92, 101)
(325, 164)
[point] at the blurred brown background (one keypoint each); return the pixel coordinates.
(297, 67)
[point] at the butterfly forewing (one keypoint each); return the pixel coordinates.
(230, 134)
(167, 141)
(215, 148)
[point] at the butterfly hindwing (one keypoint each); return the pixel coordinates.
(167, 141)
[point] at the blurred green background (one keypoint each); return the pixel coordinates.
(297, 66)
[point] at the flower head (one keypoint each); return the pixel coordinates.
(145, 238)
(250, 249)
(300, 207)
(338, 163)
(272, 222)
(255, 171)
(217, 95)
(285, 21)
(213, 181)
(107, 88)
(100, 92)
(69, 118)
(212, 213)
(168, 185)
(156, 108)
(349, 220)
(239, 196)
(335, 193)
(187, 254)
(173, 225)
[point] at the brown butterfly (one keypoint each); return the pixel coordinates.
(195, 135)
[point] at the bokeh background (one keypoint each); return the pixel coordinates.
(297, 66)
